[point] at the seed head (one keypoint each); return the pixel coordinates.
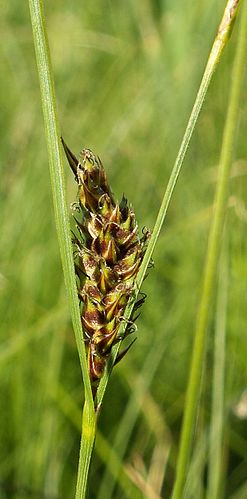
(108, 254)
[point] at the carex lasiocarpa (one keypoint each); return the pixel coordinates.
(108, 254)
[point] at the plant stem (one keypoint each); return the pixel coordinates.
(214, 57)
(217, 415)
(212, 253)
(86, 449)
(56, 172)
(63, 228)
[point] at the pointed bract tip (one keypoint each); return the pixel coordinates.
(73, 161)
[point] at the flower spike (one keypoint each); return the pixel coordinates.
(108, 254)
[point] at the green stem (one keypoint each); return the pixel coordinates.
(212, 257)
(217, 413)
(63, 228)
(214, 57)
(57, 175)
(86, 450)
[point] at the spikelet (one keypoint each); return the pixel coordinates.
(108, 255)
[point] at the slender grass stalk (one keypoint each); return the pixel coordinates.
(63, 229)
(57, 176)
(194, 487)
(217, 417)
(86, 449)
(213, 60)
(212, 252)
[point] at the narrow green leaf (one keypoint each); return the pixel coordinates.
(57, 176)
(214, 243)
(218, 387)
(63, 228)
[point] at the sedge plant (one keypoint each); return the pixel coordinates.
(111, 258)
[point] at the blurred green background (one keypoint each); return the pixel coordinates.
(126, 76)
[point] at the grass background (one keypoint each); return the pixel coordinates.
(126, 76)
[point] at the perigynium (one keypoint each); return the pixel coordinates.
(108, 254)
